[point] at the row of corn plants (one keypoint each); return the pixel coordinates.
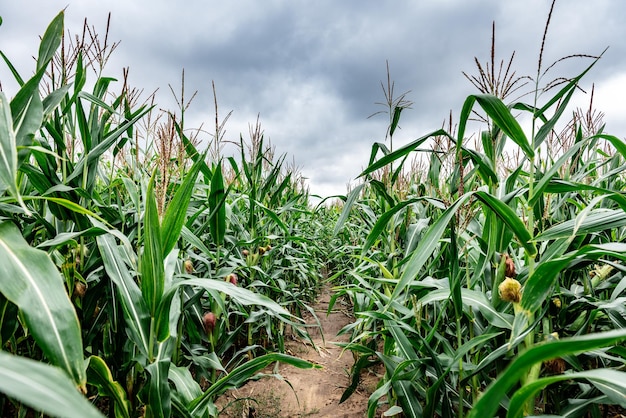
(139, 277)
(484, 287)
(144, 278)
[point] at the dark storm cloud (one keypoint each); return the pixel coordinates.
(313, 70)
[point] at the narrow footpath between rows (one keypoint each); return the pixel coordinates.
(318, 390)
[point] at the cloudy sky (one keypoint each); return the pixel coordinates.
(312, 70)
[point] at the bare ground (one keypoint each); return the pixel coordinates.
(316, 392)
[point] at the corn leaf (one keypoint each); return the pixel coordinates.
(382, 222)
(510, 218)
(539, 285)
(501, 116)
(151, 259)
(37, 288)
(50, 41)
(242, 374)
(99, 375)
(8, 152)
(105, 144)
(610, 382)
(597, 220)
(43, 387)
(426, 247)
(176, 212)
(133, 304)
(347, 207)
(539, 189)
(401, 152)
(476, 300)
(157, 394)
(487, 405)
(217, 204)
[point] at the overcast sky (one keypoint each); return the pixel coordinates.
(312, 69)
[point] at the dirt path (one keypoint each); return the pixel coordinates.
(318, 390)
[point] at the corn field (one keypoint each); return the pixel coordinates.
(143, 273)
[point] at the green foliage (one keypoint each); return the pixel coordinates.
(473, 280)
(43, 387)
(36, 288)
(114, 262)
(151, 278)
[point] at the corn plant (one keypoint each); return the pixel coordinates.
(99, 288)
(495, 296)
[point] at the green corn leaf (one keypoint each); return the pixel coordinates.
(27, 112)
(8, 152)
(610, 382)
(176, 212)
(487, 404)
(426, 247)
(242, 374)
(510, 218)
(51, 101)
(188, 389)
(395, 120)
(105, 144)
(408, 395)
(539, 189)
(99, 375)
(239, 294)
(50, 41)
(597, 220)
(549, 125)
(192, 152)
(85, 132)
(37, 288)
(217, 203)
(618, 143)
(26, 106)
(466, 111)
(13, 70)
(414, 234)
(566, 91)
(271, 179)
(382, 222)
(476, 300)
(180, 410)
(75, 207)
(194, 240)
(43, 387)
(274, 217)
(403, 345)
(151, 259)
(561, 186)
(501, 116)
(401, 152)
(94, 100)
(157, 394)
(372, 402)
(539, 285)
(484, 166)
(347, 207)
(63, 238)
(577, 408)
(133, 304)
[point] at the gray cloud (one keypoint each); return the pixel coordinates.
(312, 70)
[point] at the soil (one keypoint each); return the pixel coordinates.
(313, 392)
